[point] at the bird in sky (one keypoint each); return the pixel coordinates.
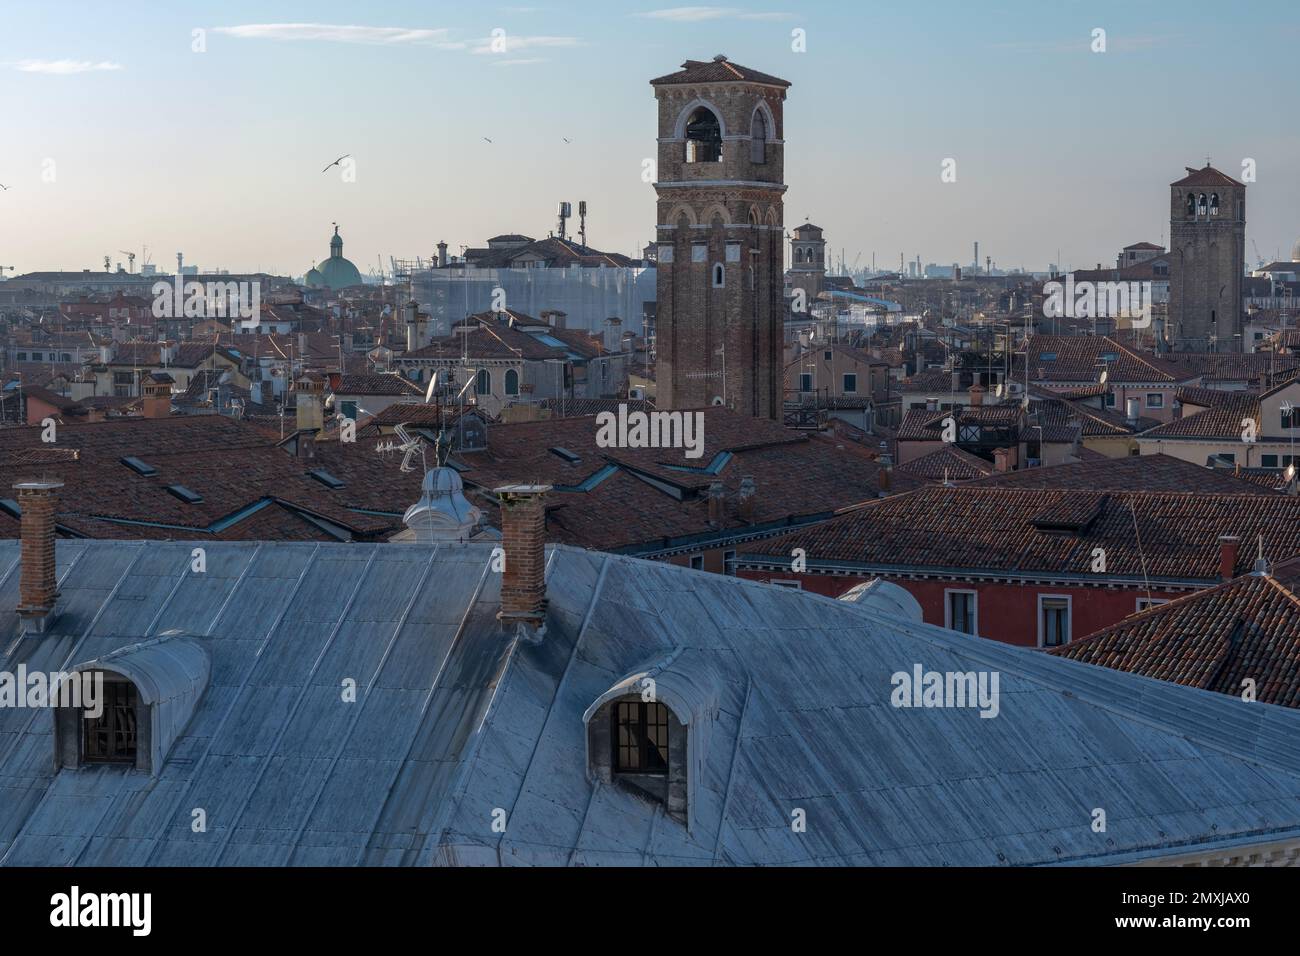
(488, 140)
(336, 162)
(4, 187)
(566, 139)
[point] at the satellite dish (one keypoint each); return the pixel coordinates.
(433, 386)
(717, 400)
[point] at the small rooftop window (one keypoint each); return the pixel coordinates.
(325, 478)
(1047, 356)
(112, 737)
(139, 467)
(640, 737)
(567, 455)
(185, 495)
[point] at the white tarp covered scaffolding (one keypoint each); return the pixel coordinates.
(587, 295)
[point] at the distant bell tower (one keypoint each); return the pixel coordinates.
(808, 261)
(720, 270)
(1207, 261)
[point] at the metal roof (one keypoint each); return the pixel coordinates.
(454, 720)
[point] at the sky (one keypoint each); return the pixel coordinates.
(117, 134)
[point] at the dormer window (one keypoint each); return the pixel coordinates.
(111, 737)
(640, 737)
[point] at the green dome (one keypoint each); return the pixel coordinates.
(313, 278)
(337, 272)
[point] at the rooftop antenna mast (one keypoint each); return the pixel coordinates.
(582, 222)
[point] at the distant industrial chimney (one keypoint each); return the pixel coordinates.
(38, 585)
(523, 579)
(442, 255)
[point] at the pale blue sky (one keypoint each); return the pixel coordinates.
(219, 153)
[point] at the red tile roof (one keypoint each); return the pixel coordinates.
(1132, 473)
(717, 70)
(1205, 176)
(975, 530)
(1216, 639)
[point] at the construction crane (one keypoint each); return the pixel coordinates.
(1259, 259)
(130, 260)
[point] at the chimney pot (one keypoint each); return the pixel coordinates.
(717, 504)
(523, 580)
(748, 495)
(38, 586)
(1228, 545)
(976, 395)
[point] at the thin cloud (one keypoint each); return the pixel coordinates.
(521, 62)
(340, 33)
(513, 44)
(65, 67)
(698, 14)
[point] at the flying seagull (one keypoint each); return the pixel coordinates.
(488, 140)
(336, 162)
(566, 139)
(4, 187)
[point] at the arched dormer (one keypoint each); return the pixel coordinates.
(703, 134)
(663, 709)
(130, 706)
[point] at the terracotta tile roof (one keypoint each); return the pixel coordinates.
(717, 70)
(1206, 397)
(1205, 176)
(975, 529)
(1252, 367)
(374, 383)
(232, 466)
(948, 463)
(645, 499)
(1132, 473)
(487, 337)
(1222, 421)
(1215, 639)
(1080, 358)
(579, 407)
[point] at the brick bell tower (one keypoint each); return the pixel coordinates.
(1207, 261)
(721, 263)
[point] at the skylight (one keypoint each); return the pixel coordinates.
(567, 455)
(325, 478)
(184, 494)
(139, 467)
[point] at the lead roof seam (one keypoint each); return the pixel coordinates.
(560, 686)
(346, 735)
(26, 729)
(196, 772)
(424, 710)
(288, 719)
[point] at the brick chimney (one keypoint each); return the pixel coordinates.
(1002, 459)
(157, 391)
(748, 497)
(976, 395)
(523, 537)
(1228, 545)
(38, 587)
(885, 475)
